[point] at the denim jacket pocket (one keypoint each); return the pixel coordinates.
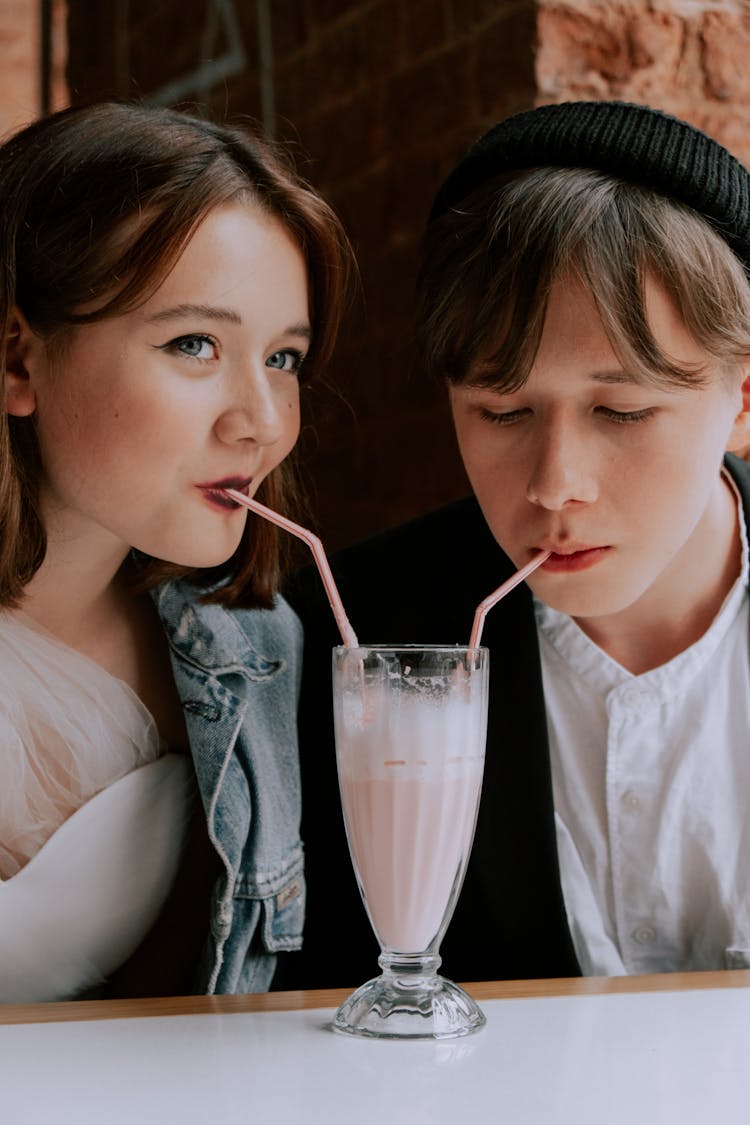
(282, 903)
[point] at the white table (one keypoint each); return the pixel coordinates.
(645, 1051)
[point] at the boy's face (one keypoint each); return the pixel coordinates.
(621, 481)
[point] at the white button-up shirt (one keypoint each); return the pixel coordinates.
(651, 778)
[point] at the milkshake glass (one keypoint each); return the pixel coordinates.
(411, 726)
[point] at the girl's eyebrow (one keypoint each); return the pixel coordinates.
(215, 312)
(209, 312)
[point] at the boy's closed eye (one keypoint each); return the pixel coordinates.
(620, 417)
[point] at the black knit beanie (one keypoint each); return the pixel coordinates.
(633, 142)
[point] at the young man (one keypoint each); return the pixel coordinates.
(584, 295)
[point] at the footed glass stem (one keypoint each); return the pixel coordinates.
(409, 1000)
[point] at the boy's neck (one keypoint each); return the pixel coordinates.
(682, 605)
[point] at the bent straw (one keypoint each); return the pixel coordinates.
(500, 592)
(348, 635)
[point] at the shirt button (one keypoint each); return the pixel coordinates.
(644, 935)
(631, 801)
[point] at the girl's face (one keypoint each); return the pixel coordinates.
(620, 480)
(147, 414)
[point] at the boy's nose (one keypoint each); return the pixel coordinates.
(560, 474)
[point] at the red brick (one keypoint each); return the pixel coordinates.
(575, 46)
(469, 16)
(326, 11)
(19, 77)
(292, 89)
(384, 29)
(428, 98)
(414, 180)
(345, 140)
(726, 43)
(92, 50)
(290, 26)
(504, 64)
(426, 26)
(366, 204)
(335, 68)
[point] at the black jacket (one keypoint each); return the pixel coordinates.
(420, 583)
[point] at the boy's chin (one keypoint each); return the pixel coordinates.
(588, 605)
(583, 596)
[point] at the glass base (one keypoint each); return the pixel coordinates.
(392, 1006)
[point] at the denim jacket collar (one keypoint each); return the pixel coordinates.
(207, 636)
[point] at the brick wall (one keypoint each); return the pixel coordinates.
(377, 98)
(687, 58)
(19, 73)
(21, 87)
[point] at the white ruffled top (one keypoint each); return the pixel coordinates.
(93, 815)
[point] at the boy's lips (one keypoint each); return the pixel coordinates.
(573, 558)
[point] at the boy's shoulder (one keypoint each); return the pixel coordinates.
(739, 470)
(442, 535)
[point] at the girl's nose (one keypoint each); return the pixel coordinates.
(258, 413)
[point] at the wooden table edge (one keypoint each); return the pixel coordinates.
(331, 998)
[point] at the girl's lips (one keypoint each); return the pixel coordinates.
(216, 496)
(576, 560)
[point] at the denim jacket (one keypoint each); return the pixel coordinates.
(237, 673)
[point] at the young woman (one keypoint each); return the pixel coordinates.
(584, 295)
(167, 285)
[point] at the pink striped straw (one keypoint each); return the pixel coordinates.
(500, 592)
(348, 635)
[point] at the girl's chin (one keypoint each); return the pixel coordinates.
(196, 560)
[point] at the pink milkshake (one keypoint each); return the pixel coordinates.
(409, 839)
(410, 771)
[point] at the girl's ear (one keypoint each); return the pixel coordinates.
(739, 437)
(19, 395)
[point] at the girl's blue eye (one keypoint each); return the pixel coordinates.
(195, 346)
(289, 359)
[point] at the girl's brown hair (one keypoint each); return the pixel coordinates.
(488, 265)
(97, 204)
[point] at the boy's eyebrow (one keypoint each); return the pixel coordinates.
(613, 377)
(216, 312)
